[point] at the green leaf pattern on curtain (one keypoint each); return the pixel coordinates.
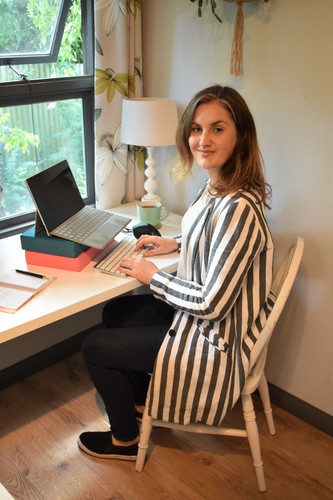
(119, 172)
(109, 81)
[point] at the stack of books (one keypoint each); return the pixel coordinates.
(50, 251)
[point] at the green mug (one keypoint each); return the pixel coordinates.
(151, 212)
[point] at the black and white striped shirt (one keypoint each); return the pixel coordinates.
(222, 298)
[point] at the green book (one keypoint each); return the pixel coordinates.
(53, 245)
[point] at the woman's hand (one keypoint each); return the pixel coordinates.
(138, 267)
(155, 245)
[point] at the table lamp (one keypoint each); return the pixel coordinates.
(149, 122)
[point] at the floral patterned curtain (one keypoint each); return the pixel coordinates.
(119, 169)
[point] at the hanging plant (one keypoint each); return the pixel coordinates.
(213, 5)
(236, 64)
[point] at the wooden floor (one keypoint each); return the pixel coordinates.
(41, 417)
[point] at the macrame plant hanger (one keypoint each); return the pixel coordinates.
(236, 63)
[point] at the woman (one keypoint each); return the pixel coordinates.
(198, 337)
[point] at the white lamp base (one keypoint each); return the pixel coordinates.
(150, 184)
(147, 197)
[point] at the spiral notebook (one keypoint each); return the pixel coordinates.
(17, 288)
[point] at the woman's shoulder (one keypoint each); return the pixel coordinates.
(241, 198)
(242, 201)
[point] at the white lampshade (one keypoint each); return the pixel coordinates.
(149, 122)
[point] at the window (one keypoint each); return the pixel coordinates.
(46, 99)
(32, 31)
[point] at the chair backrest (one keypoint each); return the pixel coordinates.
(281, 288)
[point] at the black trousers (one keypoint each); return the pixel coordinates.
(120, 357)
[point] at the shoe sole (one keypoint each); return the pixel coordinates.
(129, 458)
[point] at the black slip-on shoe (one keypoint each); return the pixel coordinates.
(99, 444)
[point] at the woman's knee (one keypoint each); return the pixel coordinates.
(115, 312)
(97, 348)
(112, 347)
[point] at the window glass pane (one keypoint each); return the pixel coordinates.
(70, 58)
(28, 26)
(33, 138)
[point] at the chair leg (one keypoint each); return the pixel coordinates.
(266, 402)
(253, 438)
(146, 427)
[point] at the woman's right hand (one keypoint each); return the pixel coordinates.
(155, 245)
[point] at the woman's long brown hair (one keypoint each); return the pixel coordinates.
(244, 169)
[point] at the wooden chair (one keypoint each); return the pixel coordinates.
(256, 379)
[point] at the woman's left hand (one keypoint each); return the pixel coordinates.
(138, 267)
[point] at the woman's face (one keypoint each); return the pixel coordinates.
(213, 137)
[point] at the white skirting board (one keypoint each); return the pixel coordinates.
(4, 495)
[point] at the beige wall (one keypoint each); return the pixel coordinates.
(288, 82)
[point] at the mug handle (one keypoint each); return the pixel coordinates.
(164, 213)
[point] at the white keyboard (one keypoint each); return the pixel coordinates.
(110, 262)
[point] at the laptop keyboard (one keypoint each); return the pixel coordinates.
(110, 263)
(83, 224)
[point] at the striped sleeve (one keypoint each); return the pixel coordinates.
(236, 239)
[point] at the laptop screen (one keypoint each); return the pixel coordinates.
(55, 194)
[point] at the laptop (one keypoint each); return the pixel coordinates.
(61, 209)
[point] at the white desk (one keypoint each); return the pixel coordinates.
(72, 292)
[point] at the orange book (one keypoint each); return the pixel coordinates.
(60, 262)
